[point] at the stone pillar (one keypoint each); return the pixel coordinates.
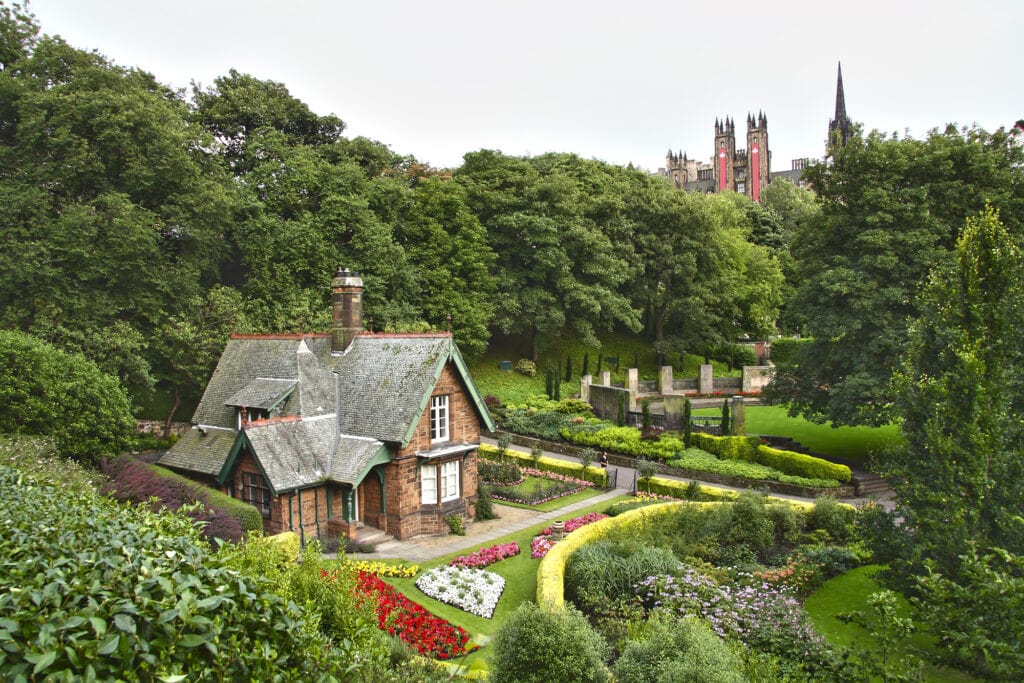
(737, 421)
(633, 381)
(665, 380)
(706, 380)
(585, 387)
(606, 378)
(674, 411)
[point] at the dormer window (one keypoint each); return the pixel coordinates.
(438, 419)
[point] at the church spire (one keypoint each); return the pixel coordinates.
(839, 127)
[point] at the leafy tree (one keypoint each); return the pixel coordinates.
(48, 392)
(111, 208)
(960, 389)
(959, 478)
(239, 105)
(190, 343)
(891, 210)
(447, 248)
(557, 268)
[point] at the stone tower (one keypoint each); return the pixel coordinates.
(838, 127)
(759, 166)
(725, 155)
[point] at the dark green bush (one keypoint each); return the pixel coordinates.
(833, 517)
(537, 646)
(130, 592)
(834, 560)
(484, 504)
(673, 650)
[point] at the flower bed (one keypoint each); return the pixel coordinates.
(398, 571)
(486, 556)
(473, 590)
(540, 545)
(561, 485)
(428, 634)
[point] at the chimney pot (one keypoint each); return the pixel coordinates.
(347, 309)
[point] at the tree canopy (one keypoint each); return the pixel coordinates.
(891, 210)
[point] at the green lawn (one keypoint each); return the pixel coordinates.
(854, 443)
(848, 593)
(520, 573)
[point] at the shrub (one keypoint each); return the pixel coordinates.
(574, 406)
(676, 650)
(534, 645)
(801, 465)
(499, 472)
(455, 525)
(226, 517)
(484, 504)
(527, 367)
(47, 392)
(696, 460)
(833, 517)
(833, 560)
(120, 571)
(601, 572)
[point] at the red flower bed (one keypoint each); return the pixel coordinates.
(576, 522)
(486, 556)
(430, 635)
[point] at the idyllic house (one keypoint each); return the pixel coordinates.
(327, 432)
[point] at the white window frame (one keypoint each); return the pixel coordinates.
(439, 419)
(449, 480)
(428, 484)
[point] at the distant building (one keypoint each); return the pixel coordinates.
(747, 171)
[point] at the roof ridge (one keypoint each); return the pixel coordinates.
(282, 336)
(394, 335)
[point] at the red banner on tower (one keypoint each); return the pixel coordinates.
(755, 174)
(723, 176)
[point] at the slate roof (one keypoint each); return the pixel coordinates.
(262, 393)
(196, 452)
(379, 388)
(296, 454)
(386, 381)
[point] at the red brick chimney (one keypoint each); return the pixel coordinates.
(347, 304)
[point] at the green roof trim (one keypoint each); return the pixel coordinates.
(230, 461)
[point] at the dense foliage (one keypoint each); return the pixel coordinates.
(891, 210)
(48, 392)
(109, 591)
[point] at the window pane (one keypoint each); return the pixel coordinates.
(428, 474)
(450, 480)
(439, 418)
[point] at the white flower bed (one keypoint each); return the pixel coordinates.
(474, 590)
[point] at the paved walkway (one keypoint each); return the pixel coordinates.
(511, 520)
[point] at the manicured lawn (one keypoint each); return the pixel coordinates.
(848, 593)
(520, 573)
(853, 443)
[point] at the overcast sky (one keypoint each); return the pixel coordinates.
(618, 81)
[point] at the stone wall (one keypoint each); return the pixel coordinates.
(605, 401)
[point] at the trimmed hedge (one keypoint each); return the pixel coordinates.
(597, 475)
(802, 465)
(677, 489)
(696, 461)
(749, 449)
(249, 518)
(625, 440)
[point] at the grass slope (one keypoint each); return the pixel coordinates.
(848, 593)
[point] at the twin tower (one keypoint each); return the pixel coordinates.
(747, 171)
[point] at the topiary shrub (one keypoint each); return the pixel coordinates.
(537, 646)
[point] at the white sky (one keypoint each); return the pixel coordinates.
(620, 81)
